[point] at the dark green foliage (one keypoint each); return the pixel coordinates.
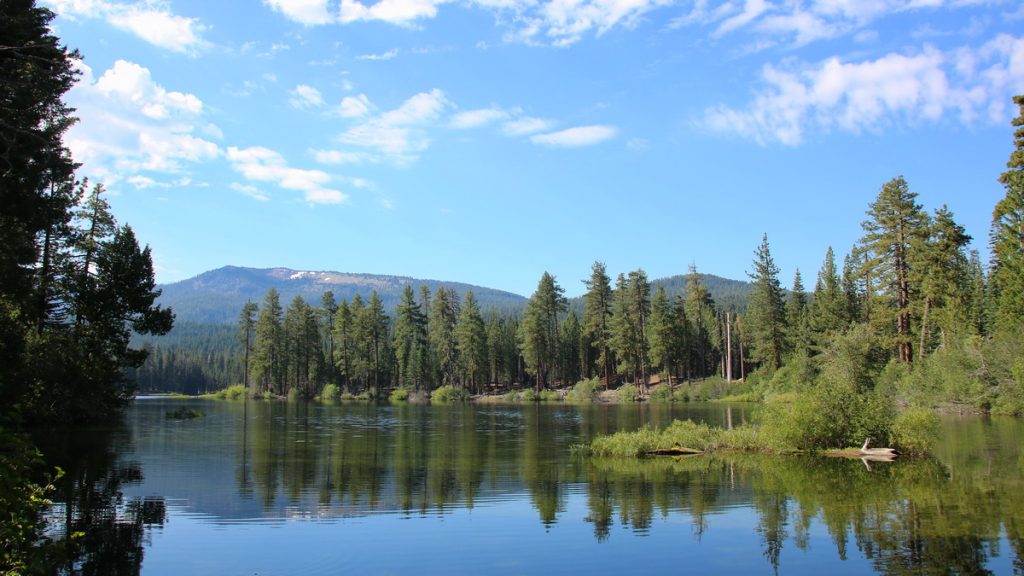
(597, 313)
(766, 314)
(538, 331)
(24, 490)
(1007, 236)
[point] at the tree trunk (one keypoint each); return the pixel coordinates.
(728, 347)
(924, 328)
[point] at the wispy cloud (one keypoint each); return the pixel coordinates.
(576, 137)
(354, 106)
(304, 97)
(130, 123)
(261, 164)
(382, 56)
(967, 84)
(152, 22)
(477, 118)
(400, 134)
(250, 191)
(525, 126)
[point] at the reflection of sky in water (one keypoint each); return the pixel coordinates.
(497, 490)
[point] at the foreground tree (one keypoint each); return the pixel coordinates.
(1006, 237)
(597, 313)
(766, 314)
(894, 231)
(538, 332)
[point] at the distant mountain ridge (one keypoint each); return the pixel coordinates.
(217, 296)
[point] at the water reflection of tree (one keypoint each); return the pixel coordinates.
(906, 517)
(102, 532)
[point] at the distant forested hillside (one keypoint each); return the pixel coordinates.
(217, 296)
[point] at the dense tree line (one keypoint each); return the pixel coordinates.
(74, 283)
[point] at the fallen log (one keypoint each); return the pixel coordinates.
(675, 451)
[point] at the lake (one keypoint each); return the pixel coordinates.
(291, 488)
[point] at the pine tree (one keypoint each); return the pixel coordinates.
(444, 315)
(471, 341)
(701, 313)
(410, 343)
(372, 331)
(798, 318)
(267, 357)
(538, 331)
(631, 309)
(570, 348)
(662, 333)
(830, 307)
(246, 334)
(1006, 237)
(943, 277)
(327, 312)
(894, 232)
(344, 341)
(597, 312)
(766, 316)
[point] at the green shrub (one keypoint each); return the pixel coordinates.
(449, 394)
(681, 395)
(681, 434)
(330, 393)
(663, 394)
(550, 396)
(347, 397)
(627, 393)
(399, 396)
(914, 431)
(267, 395)
(828, 415)
(183, 413)
(528, 395)
(235, 392)
(584, 391)
(293, 394)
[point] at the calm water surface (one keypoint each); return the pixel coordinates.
(284, 488)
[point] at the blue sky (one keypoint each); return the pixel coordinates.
(487, 141)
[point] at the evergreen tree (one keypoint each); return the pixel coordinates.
(662, 335)
(830, 307)
(344, 341)
(371, 335)
(701, 313)
(246, 335)
(571, 348)
(766, 317)
(798, 318)
(471, 341)
(267, 354)
(327, 313)
(410, 343)
(631, 312)
(597, 312)
(1006, 237)
(943, 276)
(895, 230)
(538, 332)
(444, 315)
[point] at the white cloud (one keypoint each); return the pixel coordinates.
(151, 21)
(930, 86)
(382, 56)
(338, 157)
(354, 106)
(308, 12)
(134, 83)
(141, 182)
(477, 118)
(400, 133)
(401, 12)
(576, 137)
(304, 97)
(265, 165)
(765, 24)
(525, 126)
(129, 123)
(250, 191)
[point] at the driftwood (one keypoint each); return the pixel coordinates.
(876, 452)
(676, 451)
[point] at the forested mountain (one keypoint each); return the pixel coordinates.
(217, 296)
